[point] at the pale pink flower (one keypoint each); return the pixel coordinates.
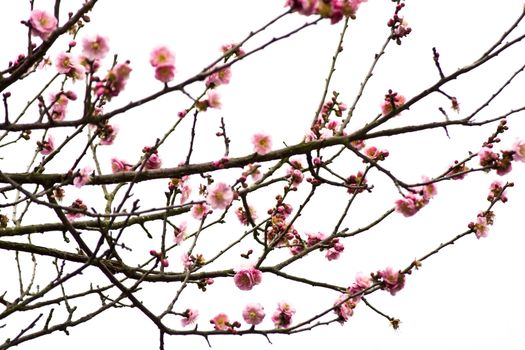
(254, 172)
(344, 307)
(180, 232)
(481, 227)
(83, 177)
(408, 205)
(243, 217)
(392, 100)
(221, 77)
(253, 314)
(42, 24)
(221, 322)
(262, 143)
(361, 283)
(70, 66)
(282, 317)
(220, 195)
(185, 192)
(165, 74)
(95, 48)
(59, 104)
(79, 205)
(186, 260)
(162, 56)
(189, 317)
(314, 238)
(393, 281)
(47, 147)
(199, 210)
(496, 191)
(246, 279)
(519, 150)
(429, 190)
(153, 162)
(239, 52)
(107, 134)
(335, 251)
(487, 157)
(214, 100)
(304, 7)
(118, 166)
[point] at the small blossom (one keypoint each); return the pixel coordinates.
(243, 217)
(79, 205)
(393, 281)
(189, 317)
(314, 238)
(214, 100)
(107, 134)
(162, 56)
(335, 251)
(408, 205)
(46, 147)
(282, 317)
(118, 166)
(180, 232)
(254, 172)
(95, 48)
(222, 77)
(187, 262)
(496, 191)
(185, 192)
(165, 74)
(262, 143)
(83, 177)
(199, 210)
(221, 322)
(246, 279)
(519, 150)
(70, 66)
(429, 190)
(344, 307)
(253, 314)
(361, 283)
(219, 196)
(392, 101)
(42, 24)
(481, 228)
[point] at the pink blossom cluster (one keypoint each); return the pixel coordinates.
(497, 192)
(399, 26)
(280, 229)
(232, 49)
(294, 173)
(322, 129)
(502, 163)
(334, 247)
(163, 60)
(356, 183)
(107, 133)
(59, 102)
(333, 106)
(70, 66)
(458, 168)
(411, 203)
(221, 77)
(481, 226)
(344, 307)
(42, 24)
(180, 186)
(393, 281)
(375, 154)
(282, 317)
(361, 283)
(392, 101)
(335, 10)
(114, 82)
(189, 317)
(161, 258)
(247, 278)
(80, 207)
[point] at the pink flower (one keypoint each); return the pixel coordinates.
(519, 150)
(221, 322)
(185, 192)
(162, 56)
(408, 206)
(344, 307)
(253, 314)
(165, 74)
(334, 252)
(95, 48)
(199, 211)
(59, 104)
(429, 190)
(70, 66)
(78, 205)
(221, 77)
(393, 281)
(42, 24)
(282, 317)
(180, 232)
(83, 177)
(246, 279)
(214, 100)
(118, 166)
(496, 191)
(187, 262)
(487, 158)
(219, 196)
(392, 101)
(243, 217)
(254, 172)
(153, 162)
(361, 283)
(47, 147)
(107, 134)
(114, 82)
(314, 238)
(262, 143)
(189, 317)
(481, 228)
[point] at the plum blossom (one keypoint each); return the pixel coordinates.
(80, 206)
(118, 166)
(165, 74)
(253, 314)
(114, 82)
(187, 261)
(222, 77)
(335, 251)
(246, 279)
(189, 317)
(221, 322)
(496, 191)
(107, 134)
(163, 60)
(262, 143)
(180, 232)
(95, 47)
(409, 205)
(220, 195)
(199, 210)
(481, 226)
(213, 100)
(83, 177)
(59, 104)
(47, 146)
(42, 24)
(519, 150)
(282, 317)
(243, 216)
(70, 66)
(393, 281)
(361, 283)
(344, 307)
(392, 101)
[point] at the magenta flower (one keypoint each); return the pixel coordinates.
(393, 281)
(70, 66)
(408, 205)
(262, 143)
(118, 166)
(253, 314)
(153, 162)
(162, 56)
(246, 279)
(282, 317)
(496, 191)
(47, 147)
(361, 283)
(42, 24)
(221, 322)
(189, 317)
(165, 74)
(221, 77)
(336, 250)
(344, 307)
(95, 48)
(107, 134)
(219, 196)
(83, 177)
(199, 210)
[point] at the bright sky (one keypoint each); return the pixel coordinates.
(467, 297)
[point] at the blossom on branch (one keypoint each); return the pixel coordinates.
(42, 24)
(95, 47)
(253, 314)
(246, 279)
(282, 317)
(220, 195)
(262, 143)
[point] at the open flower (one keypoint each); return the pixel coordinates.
(95, 48)
(42, 24)
(246, 279)
(282, 317)
(189, 317)
(219, 196)
(83, 177)
(253, 314)
(262, 143)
